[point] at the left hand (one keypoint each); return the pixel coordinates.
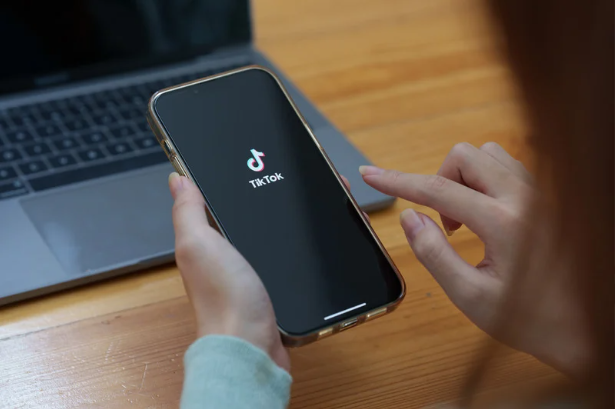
(227, 295)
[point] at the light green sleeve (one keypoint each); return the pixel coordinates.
(223, 372)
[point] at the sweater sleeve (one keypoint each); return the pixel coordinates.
(230, 373)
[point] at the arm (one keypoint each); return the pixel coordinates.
(230, 373)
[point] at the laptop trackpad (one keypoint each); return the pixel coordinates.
(106, 225)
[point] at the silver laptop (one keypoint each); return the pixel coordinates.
(83, 182)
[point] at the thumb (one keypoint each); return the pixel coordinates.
(189, 208)
(434, 251)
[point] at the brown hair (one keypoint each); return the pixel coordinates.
(561, 53)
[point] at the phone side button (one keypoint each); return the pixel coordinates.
(325, 333)
(375, 314)
(167, 147)
(178, 166)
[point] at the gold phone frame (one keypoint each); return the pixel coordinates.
(181, 168)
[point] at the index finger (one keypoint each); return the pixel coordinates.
(448, 198)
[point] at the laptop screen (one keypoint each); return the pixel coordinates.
(50, 42)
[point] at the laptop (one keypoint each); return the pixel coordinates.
(83, 181)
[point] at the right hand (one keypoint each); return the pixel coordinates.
(489, 191)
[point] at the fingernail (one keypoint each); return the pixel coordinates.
(176, 182)
(411, 223)
(370, 170)
(173, 176)
(449, 232)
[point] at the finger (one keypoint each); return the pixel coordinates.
(498, 153)
(189, 208)
(476, 169)
(469, 166)
(449, 198)
(346, 182)
(455, 275)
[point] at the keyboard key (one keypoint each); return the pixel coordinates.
(118, 148)
(79, 110)
(143, 126)
(133, 113)
(128, 93)
(146, 142)
(59, 161)
(94, 137)
(77, 106)
(9, 155)
(96, 171)
(66, 143)
(103, 98)
(12, 189)
(76, 124)
(103, 119)
(22, 120)
(122, 132)
(48, 130)
(19, 111)
(22, 135)
(139, 100)
(36, 149)
(33, 167)
(6, 173)
(4, 123)
(53, 114)
(91, 154)
(111, 104)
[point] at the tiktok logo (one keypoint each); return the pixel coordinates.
(256, 163)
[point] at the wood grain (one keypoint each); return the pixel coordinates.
(405, 80)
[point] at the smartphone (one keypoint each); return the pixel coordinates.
(271, 190)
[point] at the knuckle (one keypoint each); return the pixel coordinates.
(491, 147)
(428, 249)
(505, 217)
(394, 176)
(461, 149)
(436, 182)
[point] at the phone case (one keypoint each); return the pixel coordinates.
(176, 160)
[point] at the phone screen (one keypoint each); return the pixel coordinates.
(278, 201)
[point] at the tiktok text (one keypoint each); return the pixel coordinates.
(266, 180)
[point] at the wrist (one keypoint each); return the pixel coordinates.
(260, 334)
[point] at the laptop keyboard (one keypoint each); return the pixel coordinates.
(70, 140)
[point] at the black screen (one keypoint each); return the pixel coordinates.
(277, 199)
(46, 42)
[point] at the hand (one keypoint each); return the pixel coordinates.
(227, 295)
(489, 191)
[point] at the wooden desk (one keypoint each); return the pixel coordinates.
(405, 80)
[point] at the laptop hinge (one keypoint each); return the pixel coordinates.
(231, 51)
